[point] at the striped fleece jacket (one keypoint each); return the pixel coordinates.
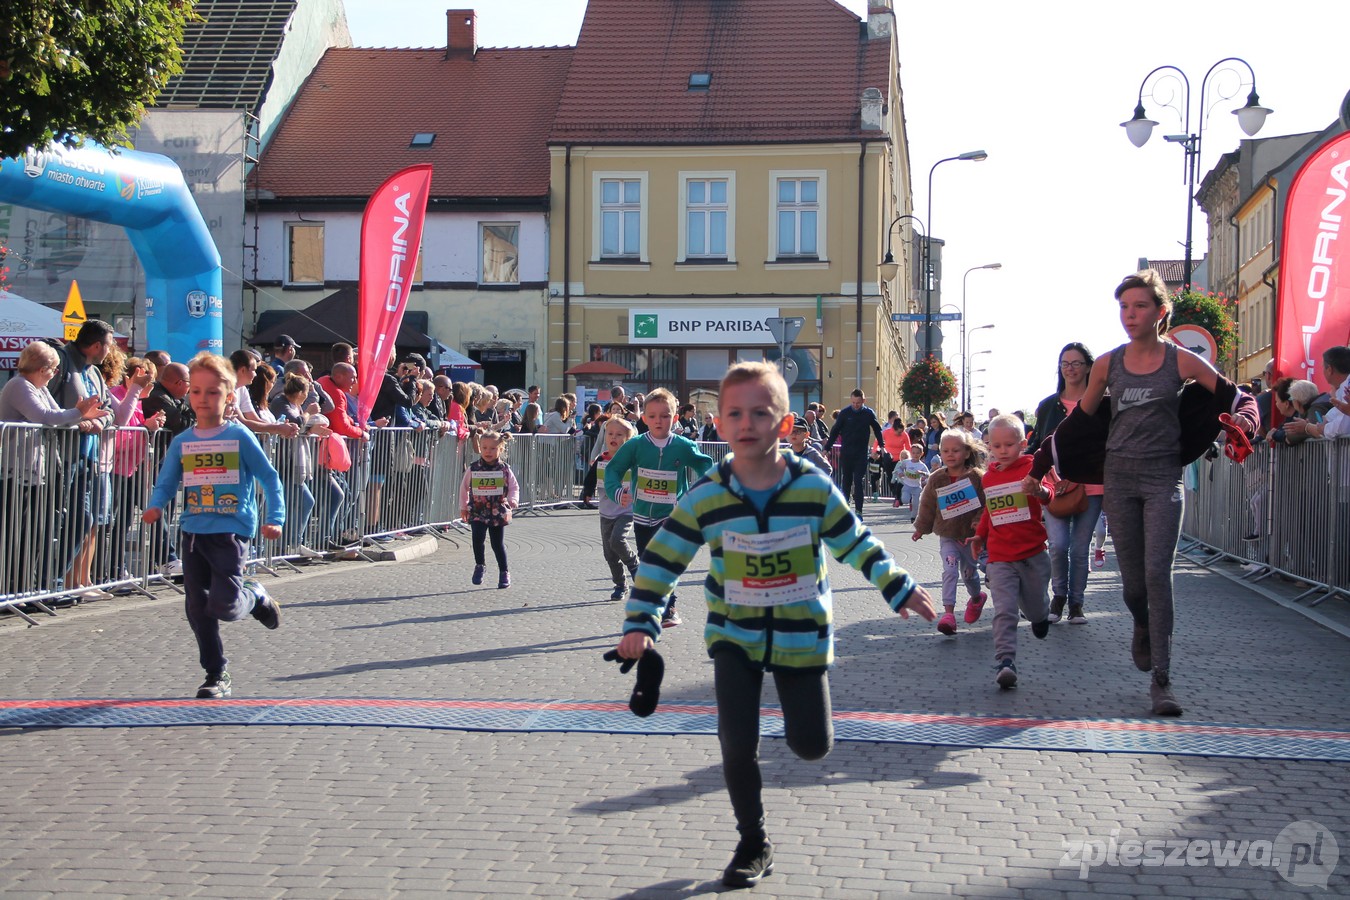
(796, 635)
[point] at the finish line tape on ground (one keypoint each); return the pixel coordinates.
(1132, 736)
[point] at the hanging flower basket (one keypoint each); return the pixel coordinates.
(928, 384)
(1211, 312)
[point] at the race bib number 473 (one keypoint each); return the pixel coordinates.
(770, 569)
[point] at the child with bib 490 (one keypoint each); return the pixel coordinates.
(950, 507)
(648, 474)
(487, 495)
(764, 515)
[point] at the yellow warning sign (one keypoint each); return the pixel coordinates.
(73, 316)
(74, 311)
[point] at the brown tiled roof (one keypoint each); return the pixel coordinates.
(351, 124)
(1171, 270)
(782, 70)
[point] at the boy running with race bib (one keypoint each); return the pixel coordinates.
(952, 503)
(1019, 566)
(217, 463)
(647, 474)
(764, 516)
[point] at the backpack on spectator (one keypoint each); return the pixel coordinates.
(58, 382)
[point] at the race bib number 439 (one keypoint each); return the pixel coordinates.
(1007, 503)
(769, 569)
(210, 462)
(657, 485)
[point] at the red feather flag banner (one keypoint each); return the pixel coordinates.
(1314, 298)
(391, 235)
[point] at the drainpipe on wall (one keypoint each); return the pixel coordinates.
(862, 155)
(567, 263)
(1274, 263)
(1237, 285)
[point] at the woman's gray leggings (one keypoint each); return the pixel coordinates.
(806, 725)
(1144, 502)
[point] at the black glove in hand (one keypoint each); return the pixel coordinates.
(624, 664)
(650, 670)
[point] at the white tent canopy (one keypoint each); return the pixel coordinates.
(21, 322)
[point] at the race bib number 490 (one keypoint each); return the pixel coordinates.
(1007, 503)
(657, 485)
(769, 569)
(210, 462)
(957, 499)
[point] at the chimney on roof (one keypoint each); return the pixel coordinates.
(463, 34)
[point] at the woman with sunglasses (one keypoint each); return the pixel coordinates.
(1070, 537)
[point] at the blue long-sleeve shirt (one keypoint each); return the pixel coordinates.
(217, 473)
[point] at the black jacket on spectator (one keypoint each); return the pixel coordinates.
(1049, 414)
(1077, 447)
(178, 414)
(853, 426)
(394, 401)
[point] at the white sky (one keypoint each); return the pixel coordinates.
(1064, 201)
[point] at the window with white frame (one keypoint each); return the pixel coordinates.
(499, 252)
(304, 253)
(799, 216)
(707, 212)
(621, 218)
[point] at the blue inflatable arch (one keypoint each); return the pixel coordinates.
(145, 193)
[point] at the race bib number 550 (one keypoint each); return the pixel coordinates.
(1007, 503)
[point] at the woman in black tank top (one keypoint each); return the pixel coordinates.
(1143, 499)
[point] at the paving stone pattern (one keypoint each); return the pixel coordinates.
(370, 812)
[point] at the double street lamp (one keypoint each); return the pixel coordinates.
(968, 156)
(1250, 117)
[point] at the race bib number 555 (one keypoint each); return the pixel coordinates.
(769, 569)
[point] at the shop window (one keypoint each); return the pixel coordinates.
(706, 363)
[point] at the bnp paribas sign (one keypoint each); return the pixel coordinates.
(721, 325)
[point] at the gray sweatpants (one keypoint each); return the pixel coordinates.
(616, 538)
(1143, 503)
(1017, 585)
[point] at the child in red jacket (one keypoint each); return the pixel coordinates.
(1010, 528)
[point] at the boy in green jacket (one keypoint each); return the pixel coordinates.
(764, 515)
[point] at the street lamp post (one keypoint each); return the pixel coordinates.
(964, 393)
(1250, 117)
(970, 155)
(965, 361)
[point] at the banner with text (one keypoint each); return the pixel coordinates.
(712, 325)
(1314, 298)
(391, 234)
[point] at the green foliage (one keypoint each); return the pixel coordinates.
(76, 69)
(1211, 312)
(928, 384)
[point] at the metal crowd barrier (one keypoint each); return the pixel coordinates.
(1284, 511)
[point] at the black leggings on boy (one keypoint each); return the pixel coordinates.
(806, 724)
(483, 530)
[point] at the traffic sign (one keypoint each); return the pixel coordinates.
(785, 328)
(947, 317)
(788, 366)
(73, 315)
(906, 317)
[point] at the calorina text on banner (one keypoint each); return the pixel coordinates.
(391, 235)
(1314, 307)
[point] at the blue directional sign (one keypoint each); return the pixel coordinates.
(919, 317)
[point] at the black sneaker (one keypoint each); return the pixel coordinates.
(478, 574)
(215, 687)
(1076, 614)
(1007, 675)
(619, 593)
(265, 609)
(1164, 701)
(752, 861)
(1041, 628)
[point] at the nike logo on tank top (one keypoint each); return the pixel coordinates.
(1144, 422)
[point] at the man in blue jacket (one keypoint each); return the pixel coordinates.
(852, 426)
